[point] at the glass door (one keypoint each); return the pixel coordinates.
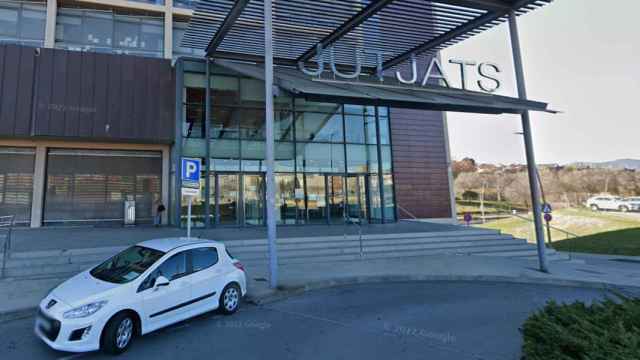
(316, 201)
(285, 199)
(253, 196)
(356, 198)
(228, 195)
(335, 193)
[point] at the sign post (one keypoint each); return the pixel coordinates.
(467, 218)
(190, 175)
(546, 209)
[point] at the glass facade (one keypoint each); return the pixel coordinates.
(187, 4)
(332, 161)
(105, 31)
(22, 23)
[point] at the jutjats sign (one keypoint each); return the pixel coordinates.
(486, 73)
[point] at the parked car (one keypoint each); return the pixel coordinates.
(143, 288)
(612, 203)
(633, 203)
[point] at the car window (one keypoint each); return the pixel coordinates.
(174, 267)
(127, 265)
(202, 258)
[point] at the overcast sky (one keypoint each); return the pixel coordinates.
(579, 56)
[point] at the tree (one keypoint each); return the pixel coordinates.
(466, 165)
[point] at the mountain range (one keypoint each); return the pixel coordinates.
(613, 164)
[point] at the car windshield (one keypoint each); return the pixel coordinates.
(127, 265)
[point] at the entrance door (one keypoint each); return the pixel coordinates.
(335, 193)
(253, 194)
(229, 190)
(356, 208)
(316, 206)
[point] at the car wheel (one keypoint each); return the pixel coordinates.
(118, 334)
(595, 207)
(624, 208)
(230, 299)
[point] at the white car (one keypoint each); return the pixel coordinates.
(143, 288)
(611, 203)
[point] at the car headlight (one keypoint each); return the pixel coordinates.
(84, 310)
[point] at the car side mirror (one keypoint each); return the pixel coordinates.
(161, 281)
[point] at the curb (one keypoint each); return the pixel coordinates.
(23, 313)
(285, 292)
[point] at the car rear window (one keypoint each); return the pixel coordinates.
(202, 258)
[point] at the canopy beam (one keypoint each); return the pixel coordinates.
(226, 26)
(347, 27)
(461, 30)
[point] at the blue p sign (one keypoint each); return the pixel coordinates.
(190, 170)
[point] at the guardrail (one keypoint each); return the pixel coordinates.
(567, 234)
(6, 226)
(406, 212)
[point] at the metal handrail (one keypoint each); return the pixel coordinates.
(565, 232)
(357, 221)
(6, 223)
(407, 212)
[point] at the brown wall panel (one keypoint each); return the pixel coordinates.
(420, 163)
(85, 96)
(9, 89)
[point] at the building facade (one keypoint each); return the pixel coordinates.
(98, 103)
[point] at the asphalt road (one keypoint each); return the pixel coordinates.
(431, 320)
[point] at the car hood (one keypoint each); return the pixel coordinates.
(83, 289)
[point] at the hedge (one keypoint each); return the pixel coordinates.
(607, 330)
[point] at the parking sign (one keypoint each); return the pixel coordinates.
(191, 173)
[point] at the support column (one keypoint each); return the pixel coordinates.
(271, 194)
(452, 190)
(50, 27)
(168, 29)
(166, 164)
(207, 159)
(528, 142)
(37, 199)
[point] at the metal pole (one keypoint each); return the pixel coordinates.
(271, 194)
(207, 160)
(528, 143)
(189, 217)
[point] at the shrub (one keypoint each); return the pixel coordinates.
(608, 330)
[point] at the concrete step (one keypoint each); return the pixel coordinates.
(47, 270)
(60, 263)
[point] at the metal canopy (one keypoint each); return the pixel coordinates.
(234, 29)
(431, 97)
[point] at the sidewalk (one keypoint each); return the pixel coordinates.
(18, 298)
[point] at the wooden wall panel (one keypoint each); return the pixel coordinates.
(85, 96)
(420, 163)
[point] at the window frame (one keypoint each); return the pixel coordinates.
(150, 280)
(149, 283)
(190, 259)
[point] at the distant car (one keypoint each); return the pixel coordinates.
(612, 203)
(633, 203)
(143, 288)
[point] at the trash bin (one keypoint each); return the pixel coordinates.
(129, 212)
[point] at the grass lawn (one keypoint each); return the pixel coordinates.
(618, 242)
(599, 232)
(577, 221)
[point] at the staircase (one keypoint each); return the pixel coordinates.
(481, 242)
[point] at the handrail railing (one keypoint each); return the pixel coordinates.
(565, 232)
(407, 212)
(6, 225)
